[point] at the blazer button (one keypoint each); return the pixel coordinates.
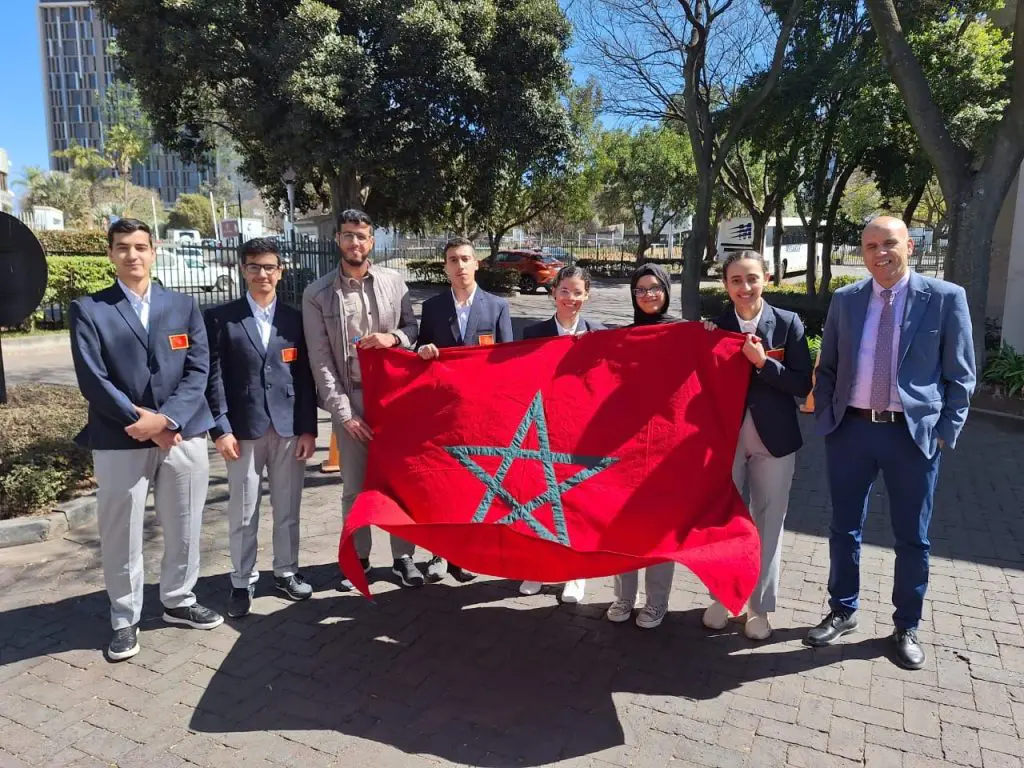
(268, 385)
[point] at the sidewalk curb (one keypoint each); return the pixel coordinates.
(70, 515)
(35, 342)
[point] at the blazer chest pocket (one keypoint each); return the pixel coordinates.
(925, 343)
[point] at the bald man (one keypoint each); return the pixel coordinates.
(892, 391)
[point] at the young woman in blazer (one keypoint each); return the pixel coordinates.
(571, 291)
(649, 288)
(770, 436)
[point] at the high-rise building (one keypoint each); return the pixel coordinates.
(77, 70)
(6, 196)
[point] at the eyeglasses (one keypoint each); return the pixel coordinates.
(355, 237)
(565, 293)
(656, 290)
(255, 269)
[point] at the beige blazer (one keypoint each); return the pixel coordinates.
(327, 337)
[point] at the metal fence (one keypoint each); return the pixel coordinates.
(927, 260)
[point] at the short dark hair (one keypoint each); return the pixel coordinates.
(354, 216)
(735, 256)
(126, 227)
(571, 272)
(258, 246)
(457, 242)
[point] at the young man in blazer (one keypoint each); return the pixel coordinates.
(466, 315)
(893, 388)
(361, 305)
(263, 401)
(141, 358)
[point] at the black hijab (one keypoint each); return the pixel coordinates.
(639, 316)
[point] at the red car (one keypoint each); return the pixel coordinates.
(536, 269)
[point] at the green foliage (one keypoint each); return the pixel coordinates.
(428, 271)
(192, 211)
(1005, 369)
(74, 276)
(63, 242)
(39, 463)
(814, 344)
(499, 281)
(59, 190)
(715, 300)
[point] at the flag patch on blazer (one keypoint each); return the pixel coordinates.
(486, 339)
(178, 340)
(779, 353)
(289, 354)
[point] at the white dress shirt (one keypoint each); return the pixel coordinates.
(860, 395)
(563, 331)
(139, 303)
(264, 318)
(462, 312)
(750, 326)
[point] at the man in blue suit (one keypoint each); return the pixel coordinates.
(264, 406)
(466, 315)
(893, 388)
(141, 358)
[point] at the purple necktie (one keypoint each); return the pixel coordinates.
(881, 381)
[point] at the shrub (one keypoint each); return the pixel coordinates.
(814, 344)
(428, 271)
(71, 242)
(715, 300)
(494, 280)
(74, 276)
(293, 283)
(39, 462)
(1005, 369)
(609, 268)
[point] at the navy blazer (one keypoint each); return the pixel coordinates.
(439, 325)
(119, 365)
(251, 388)
(549, 327)
(936, 374)
(772, 390)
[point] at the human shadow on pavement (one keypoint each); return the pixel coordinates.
(477, 674)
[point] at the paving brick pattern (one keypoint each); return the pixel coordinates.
(479, 675)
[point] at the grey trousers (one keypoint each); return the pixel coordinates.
(769, 479)
(285, 475)
(179, 478)
(353, 473)
(657, 583)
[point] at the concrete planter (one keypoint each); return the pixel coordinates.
(70, 515)
(992, 399)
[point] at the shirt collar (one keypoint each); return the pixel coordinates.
(257, 310)
(344, 280)
(756, 319)
(133, 297)
(469, 301)
(562, 330)
(896, 289)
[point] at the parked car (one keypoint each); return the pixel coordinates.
(184, 270)
(559, 253)
(536, 270)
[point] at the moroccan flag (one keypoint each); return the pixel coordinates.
(563, 458)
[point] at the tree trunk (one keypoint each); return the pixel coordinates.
(913, 202)
(346, 190)
(494, 241)
(825, 291)
(760, 219)
(812, 249)
(642, 244)
(694, 256)
(777, 246)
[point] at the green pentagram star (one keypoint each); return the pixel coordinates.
(592, 465)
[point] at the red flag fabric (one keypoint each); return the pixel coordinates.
(564, 458)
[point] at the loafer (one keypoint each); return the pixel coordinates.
(240, 602)
(294, 586)
(124, 644)
(345, 585)
(831, 628)
(909, 652)
(196, 616)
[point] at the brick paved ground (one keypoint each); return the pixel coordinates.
(479, 675)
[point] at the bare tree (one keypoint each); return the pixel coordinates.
(974, 184)
(654, 50)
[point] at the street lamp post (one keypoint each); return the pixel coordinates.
(288, 177)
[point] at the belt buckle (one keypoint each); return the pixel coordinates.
(876, 420)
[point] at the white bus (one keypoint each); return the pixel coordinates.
(738, 235)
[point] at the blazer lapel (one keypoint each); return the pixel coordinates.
(727, 321)
(918, 296)
(766, 325)
(125, 308)
(453, 318)
(157, 299)
(859, 301)
(474, 316)
(252, 328)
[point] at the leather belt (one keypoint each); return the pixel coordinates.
(878, 417)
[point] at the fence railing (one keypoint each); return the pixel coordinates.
(923, 259)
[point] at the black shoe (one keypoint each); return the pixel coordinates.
(347, 586)
(240, 602)
(124, 644)
(460, 574)
(407, 572)
(909, 653)
(831, 628)
(195, 616)
(436, 569)
(294, 587)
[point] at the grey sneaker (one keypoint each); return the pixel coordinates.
(651, 616)
(620, 611)
(436, 569)
(345, 585)
(294, 586)
(195, 616)
(240, 602)
(407, 572)
(124, 644)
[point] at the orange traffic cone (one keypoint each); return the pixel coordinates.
(333, 461)
(808, 406)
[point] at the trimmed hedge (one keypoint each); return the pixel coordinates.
(491, 279)
(74, 276)
(40, 464)
(73, 242)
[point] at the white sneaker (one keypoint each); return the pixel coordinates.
(757, 626)
(573, 591)
(651, 616)
(530, 587)
(620, 611)
(716, 616)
